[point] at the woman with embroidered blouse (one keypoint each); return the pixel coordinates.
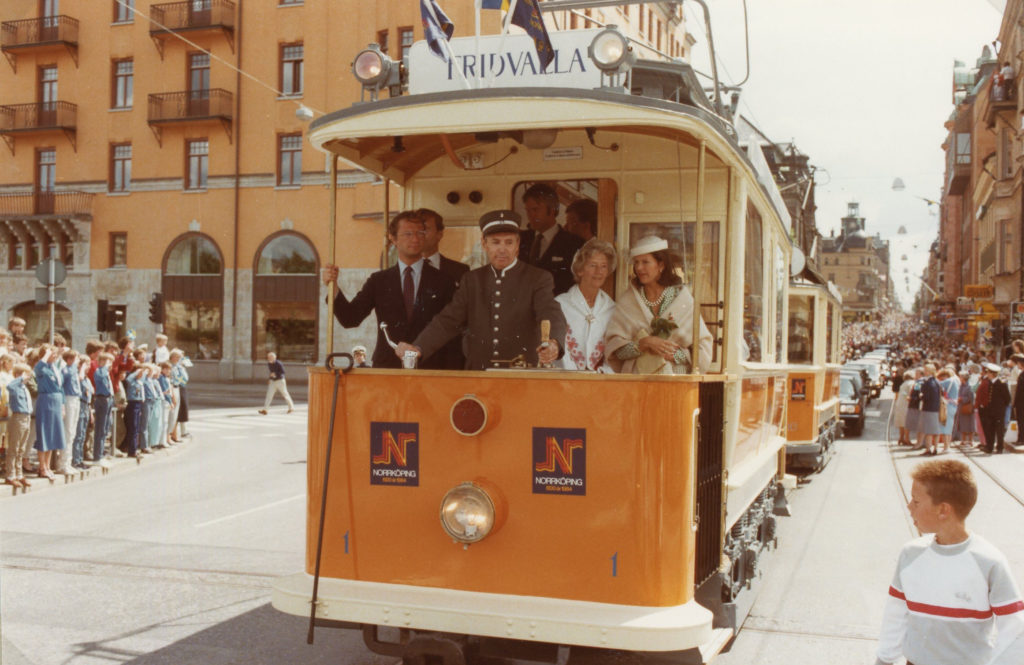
(652, 326)
(587, 308)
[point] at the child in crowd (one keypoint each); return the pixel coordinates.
(134, 393)
(18, 426)
(953, 600)
(154, 410)
(166, 401)
(103, 404)
(161, 353)
(84, 416)
(72, 401)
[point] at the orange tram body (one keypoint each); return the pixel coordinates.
(813, 425)
(531, 512)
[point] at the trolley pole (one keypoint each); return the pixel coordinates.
(332, 251)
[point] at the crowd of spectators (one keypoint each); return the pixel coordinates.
(62, 408)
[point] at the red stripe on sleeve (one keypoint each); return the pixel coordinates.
(950, 612)
(896, 593)
(1011, 608)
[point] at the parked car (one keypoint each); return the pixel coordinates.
(852, 405)
(874, 371)
(863, 379)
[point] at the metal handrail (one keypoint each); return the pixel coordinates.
(38, 115)
(44, 30)
(191, 105)
(191, 14)
(16, 205)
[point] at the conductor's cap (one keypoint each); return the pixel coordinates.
(500, 221)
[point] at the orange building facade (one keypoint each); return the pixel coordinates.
(138, 154)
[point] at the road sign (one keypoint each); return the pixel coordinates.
(42, 297)
(60, 273)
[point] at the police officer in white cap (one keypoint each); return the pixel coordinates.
(499, 307)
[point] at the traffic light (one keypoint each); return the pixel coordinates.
(113, 318)
(101, 315)
(156, 308)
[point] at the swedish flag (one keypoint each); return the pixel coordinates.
(526, 15)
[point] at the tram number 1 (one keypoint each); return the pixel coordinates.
(615, 564)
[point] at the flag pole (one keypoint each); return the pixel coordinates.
(476, 42)
(504, 31)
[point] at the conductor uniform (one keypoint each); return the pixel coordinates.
(383, 294)
(499, 312)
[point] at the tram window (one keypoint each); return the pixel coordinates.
(801, 329)
(781, 277)
(753, 285)
(830, 344)
(680, 242)
(573, 196)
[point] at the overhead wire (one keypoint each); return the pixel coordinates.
(131, 7)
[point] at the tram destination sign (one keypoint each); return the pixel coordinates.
(511, 62)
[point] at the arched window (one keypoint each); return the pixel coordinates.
(193, 288)
(285, 293)
(37, 321)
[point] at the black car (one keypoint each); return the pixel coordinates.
(851, 405)
(863, 378)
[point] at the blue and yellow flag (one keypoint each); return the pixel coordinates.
(436, 26)
(527, 16)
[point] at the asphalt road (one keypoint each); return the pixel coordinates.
(172, 561)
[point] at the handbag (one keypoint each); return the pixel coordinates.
(942, 412)
(967, 408)
(1012, 433)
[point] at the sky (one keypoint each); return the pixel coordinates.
(863, 88)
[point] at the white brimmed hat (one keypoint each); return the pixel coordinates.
(648, 245)
(992, 367)
(359, 349)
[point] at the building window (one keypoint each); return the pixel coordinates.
(37, 321)
(405, 37)
(193, 288)
(124, 77)
(291, 69)
(198, 164)
(285, 292)
(382, 40)
(118, 249)
(67, 251)
(123, 11)
(120, 167)
(290, 160)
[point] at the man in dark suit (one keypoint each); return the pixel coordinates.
(433, 226)
(546, 244)
(405, 296)
(498, 307)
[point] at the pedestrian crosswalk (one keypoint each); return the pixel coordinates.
(231, 424)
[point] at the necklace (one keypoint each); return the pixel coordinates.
(656, 304)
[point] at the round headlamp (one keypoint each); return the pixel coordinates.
(609, 49)
(467, 513)
(371, 67)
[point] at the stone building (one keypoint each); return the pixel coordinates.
(155, 147)
(858, 264)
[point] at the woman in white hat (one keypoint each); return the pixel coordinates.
(651, 328)
(587, 308)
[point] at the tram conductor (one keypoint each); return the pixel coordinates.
(498, 307)
(405, 296)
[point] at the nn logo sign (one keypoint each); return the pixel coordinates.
(559, 460)
(395, 454)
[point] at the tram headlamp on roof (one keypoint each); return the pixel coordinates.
(375, 71)
(612, 54)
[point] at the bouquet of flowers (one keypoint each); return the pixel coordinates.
(663, 327)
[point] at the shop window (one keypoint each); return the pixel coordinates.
(285, 298)
(193, 288)
(37, 321)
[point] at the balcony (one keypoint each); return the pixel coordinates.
(191, 16)
(39, 34)
(38, 118)
(191, 106)
(37, 205)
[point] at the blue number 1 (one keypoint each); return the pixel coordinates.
(346, 542)
(615, 565)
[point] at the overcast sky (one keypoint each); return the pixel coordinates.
(861, 87)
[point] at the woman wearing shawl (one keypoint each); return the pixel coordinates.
(651, 329)
(587, 308)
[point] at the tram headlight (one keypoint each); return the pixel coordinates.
(467, 513)
(610, 51)
(371, 66)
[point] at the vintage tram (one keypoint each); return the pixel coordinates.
(812, 418)
(529, 511)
